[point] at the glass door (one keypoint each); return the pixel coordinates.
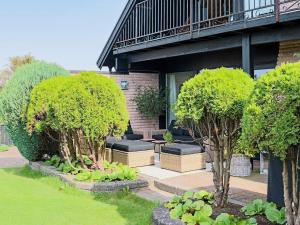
(174, 84)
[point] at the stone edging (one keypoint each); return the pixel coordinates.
(93, 187)
(160, 216)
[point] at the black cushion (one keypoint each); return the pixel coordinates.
(133, 137)
(158, 137)
(133, 146)
(183, 138)
(110, 141)
(181, 149)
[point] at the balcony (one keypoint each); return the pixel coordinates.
(153, 20)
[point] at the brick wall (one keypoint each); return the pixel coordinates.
(287, 50)
(138, 122)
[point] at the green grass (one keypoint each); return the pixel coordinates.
(29, 198)
(4, 148)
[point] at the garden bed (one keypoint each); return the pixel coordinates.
(89, 186)
(161, 215)
(196, 208)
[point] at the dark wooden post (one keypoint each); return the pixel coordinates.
(247, 54)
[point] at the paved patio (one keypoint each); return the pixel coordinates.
(242, 190)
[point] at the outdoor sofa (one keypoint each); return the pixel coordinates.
(131, 153)
(179, 134)
(182, 157)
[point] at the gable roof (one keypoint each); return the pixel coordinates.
(106, 58)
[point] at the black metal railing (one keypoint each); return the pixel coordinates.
(156, 19)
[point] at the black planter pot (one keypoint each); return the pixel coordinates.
(275, 184)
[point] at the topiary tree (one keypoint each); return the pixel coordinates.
(84, 110)
(271, 122)
(211, 106)
(14, 100)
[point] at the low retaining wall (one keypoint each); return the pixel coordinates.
(160, 216)
(93, 187)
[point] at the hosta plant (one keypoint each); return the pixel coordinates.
(226, 219)
(192, 208)
(270, 210)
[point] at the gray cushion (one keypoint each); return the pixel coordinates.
(132, 146)
(181, 149)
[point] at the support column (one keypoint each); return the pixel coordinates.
(248, 65)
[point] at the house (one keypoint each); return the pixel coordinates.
(162, 43)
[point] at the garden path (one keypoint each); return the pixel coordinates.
(12, 159)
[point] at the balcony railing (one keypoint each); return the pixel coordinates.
(157, 19)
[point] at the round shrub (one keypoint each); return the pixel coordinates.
(14, 100)
(271, 122)
(86, 108)
(210, 106)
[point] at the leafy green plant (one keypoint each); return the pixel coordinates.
(14, 100)
(260, 207)
(254, 208)
(213, 102)
(151, 102)
(191, 208)
(53, 161)
(207, 197)
(226, 219)
(271, 121)
(84, 110)
(168, 137)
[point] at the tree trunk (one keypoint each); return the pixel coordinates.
(287, 199)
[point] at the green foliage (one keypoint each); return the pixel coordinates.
(151, 102)
(221, 92)
(168, 137)
(54, 161)
(271, 118)
(89, 103)
(205, 196)
(211, 105)
(14, 100)
(226, 219)
(191, 208)
(260, 207)
(118, 172)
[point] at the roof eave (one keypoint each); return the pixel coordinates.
(114, 35)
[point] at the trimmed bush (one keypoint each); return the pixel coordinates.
(84, 110)
(14, 100)
(271, 122)
(211, 106)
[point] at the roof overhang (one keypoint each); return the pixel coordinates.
(106, 58)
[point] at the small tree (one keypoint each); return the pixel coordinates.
(211, 106)
(271, 122)
(151, 102)
(14, 100)
(83, 109)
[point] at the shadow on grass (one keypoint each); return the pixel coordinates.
(25, 172)
(135, 210)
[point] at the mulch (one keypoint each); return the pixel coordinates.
(235, 210)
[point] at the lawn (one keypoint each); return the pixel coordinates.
(4, 148)
(29, 198)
